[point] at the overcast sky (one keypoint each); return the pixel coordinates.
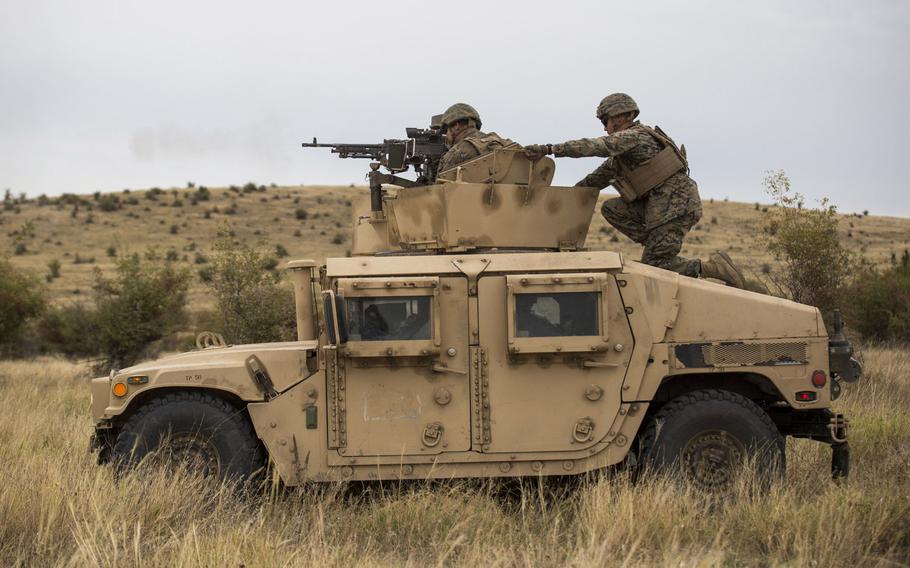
(107, 95)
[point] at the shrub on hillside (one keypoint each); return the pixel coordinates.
(877, 304)
(252, 303)
(71, 330)
(142, 303)
(21, 299)
(814, 266)
(108, 202)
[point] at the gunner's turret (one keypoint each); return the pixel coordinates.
(500, 200)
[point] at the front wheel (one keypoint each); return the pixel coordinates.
(709, 435)
(191, 429)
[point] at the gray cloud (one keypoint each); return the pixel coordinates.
(111, 94)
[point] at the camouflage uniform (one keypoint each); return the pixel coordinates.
(461, 151)
(659, 220)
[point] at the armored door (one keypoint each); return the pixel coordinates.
(403, 374)
(555, 350)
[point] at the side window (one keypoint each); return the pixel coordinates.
(391, 317)
(383, 319)
(556, 313)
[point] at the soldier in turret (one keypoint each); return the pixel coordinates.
(659, 202)
(461, 123)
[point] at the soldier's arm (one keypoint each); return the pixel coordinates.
(457, 154)
(604, 146)
(599, 178)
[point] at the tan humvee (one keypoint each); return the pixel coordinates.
(472, 335)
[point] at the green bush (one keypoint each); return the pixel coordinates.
(813, 266)
(21, 299)
(71, 330)
(54, 267)
(142, 303)
(108, 202)
(877, 304)
(253, 304)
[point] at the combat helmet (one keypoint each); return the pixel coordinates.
(459, 111)
(617, 103)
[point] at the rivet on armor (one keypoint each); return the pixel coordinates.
(505, 466)
(618, 347)
(568, 465)
(272, 424)
(442, 396)
(311, 393)
(388, 284)
(408, 469)
(537, 466)
(347, 471)
(593, 392)
(629, 310)
(283, 442)
(620, 440)
(451, 352)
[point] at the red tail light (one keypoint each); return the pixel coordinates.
(819, 379)
(806, 396)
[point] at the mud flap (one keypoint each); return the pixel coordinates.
(840, 461)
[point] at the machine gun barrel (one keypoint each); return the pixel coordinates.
(345, 150)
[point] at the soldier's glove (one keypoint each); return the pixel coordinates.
(535, 152)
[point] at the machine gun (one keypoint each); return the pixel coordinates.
(422, 149)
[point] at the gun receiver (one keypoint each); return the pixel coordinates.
(422, 149)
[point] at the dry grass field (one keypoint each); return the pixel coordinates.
(172, 223)
(57, 508)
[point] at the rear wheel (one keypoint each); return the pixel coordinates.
(708, 435)
(191, 429)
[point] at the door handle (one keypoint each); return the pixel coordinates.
(440, 368)
(590, 364)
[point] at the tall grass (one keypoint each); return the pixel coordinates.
(58, 508)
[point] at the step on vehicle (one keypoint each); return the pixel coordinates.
(471, 335)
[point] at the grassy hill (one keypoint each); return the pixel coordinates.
(90, 231)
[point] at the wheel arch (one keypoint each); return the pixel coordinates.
(754, 386)
(142, 398)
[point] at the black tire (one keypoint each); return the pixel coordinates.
(707, 435)
(191, 428)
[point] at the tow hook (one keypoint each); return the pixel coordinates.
(840, 449)
(837, 426)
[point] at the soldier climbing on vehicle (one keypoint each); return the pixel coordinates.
(659, 202)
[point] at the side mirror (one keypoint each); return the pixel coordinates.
(336, 317)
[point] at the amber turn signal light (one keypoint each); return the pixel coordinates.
(119, 389)
(138, 380)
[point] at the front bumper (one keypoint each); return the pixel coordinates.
(102, 441)
(822, 425)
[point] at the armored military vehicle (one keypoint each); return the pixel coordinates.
(471, 334)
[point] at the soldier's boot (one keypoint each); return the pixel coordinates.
(721, 267)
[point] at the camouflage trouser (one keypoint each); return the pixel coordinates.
(645, 222)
